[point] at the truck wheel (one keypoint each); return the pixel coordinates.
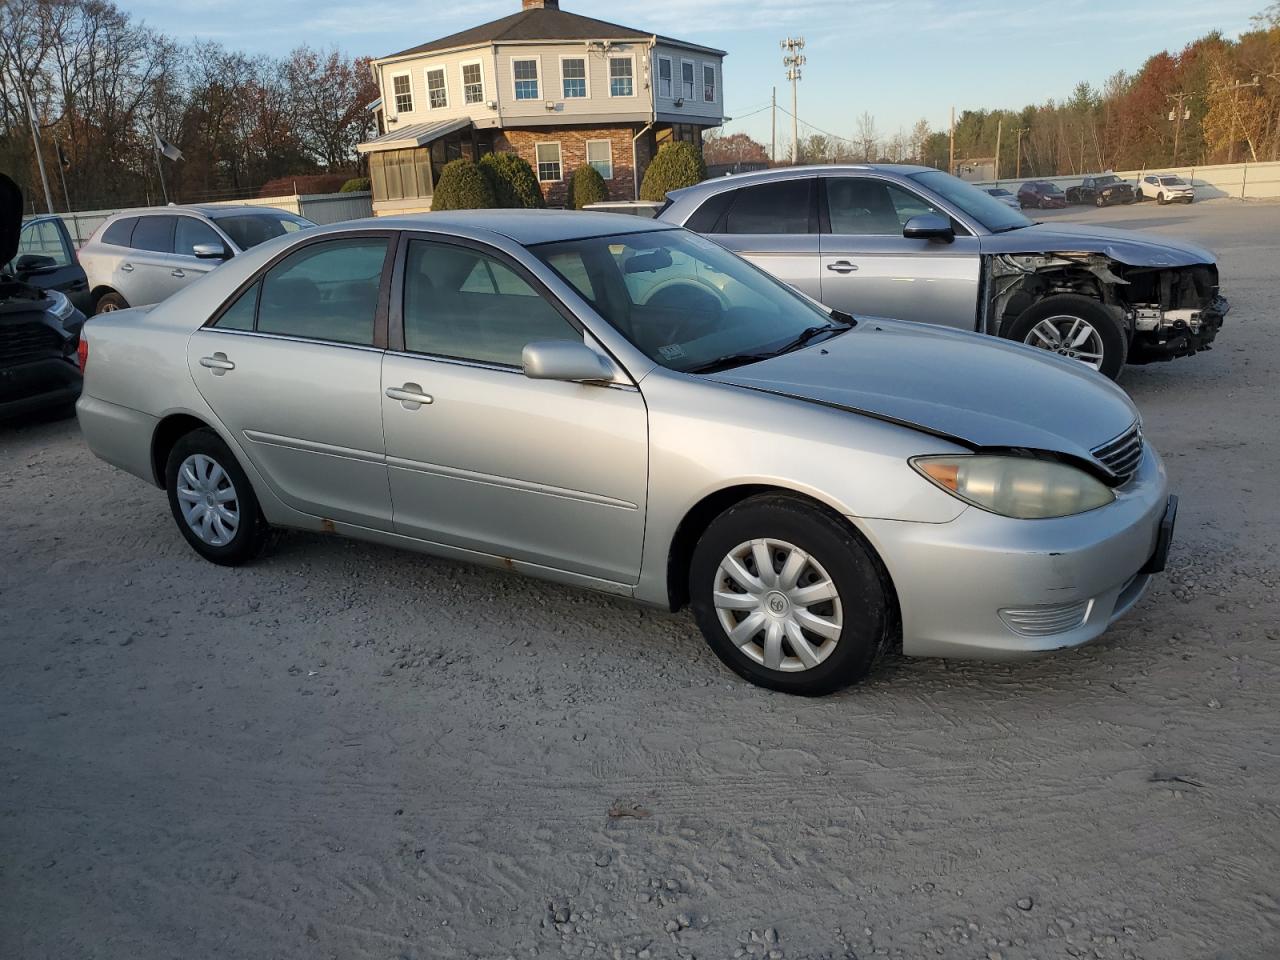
(1077, 327)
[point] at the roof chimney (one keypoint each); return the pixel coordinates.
(539, 4)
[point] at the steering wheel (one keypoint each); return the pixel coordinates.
(700, 307)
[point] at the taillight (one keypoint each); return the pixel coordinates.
(82, 353)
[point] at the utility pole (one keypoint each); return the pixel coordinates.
(999, 131)
(951, 163)
(62, 172)
(793, 61)
(1018, 163)
(35, 142)
(773, 137)
(1179, 113)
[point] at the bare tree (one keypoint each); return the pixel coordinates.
(867, 137)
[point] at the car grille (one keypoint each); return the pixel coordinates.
(23, 342)
(1047, 620)
(1122, 455)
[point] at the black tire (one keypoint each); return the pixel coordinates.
(1160, 199)
(1115, 340)
(864, 593)
(109, 302)
(251, 528)
(1098, 201)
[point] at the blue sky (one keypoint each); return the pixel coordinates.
(898, 60)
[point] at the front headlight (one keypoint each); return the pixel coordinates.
(1020, 487)
(59, 305)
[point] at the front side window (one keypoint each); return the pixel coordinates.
(247, 230)
(574, 75)
(864, 206)
(687, 303)
(548, 157)
(154, 234)
(437, 91)
(402, 88)
(985, 209)
(325, 291)
(191, 232)
(621, 77)
(709, 83)
(686, 79)
(472, 83)
(526, 78)
(462, 304)
(664, 77)
(600, 156)
(771, 208)
(44, 239)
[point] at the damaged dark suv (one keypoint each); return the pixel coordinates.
(39, 331)
(915, 243)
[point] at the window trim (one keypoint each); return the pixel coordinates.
(630, 58)
(671, 81)
(536, 60)
(587, 154)
(395, 103)
(586, 75)
(426, 79)
(537, 164)
(693, 81)
(462, 79)
(714, 87)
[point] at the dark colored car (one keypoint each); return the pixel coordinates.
(39, 327)
(1041, 194)
(1102, 191)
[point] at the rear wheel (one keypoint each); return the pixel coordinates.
(789, 597)
(212, 500)
(1076, 327)
(109, 302)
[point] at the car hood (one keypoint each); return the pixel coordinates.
(10, 219)
(977, 390)
(1124, 246)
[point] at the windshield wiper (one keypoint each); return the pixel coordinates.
(843, 322)
(809, 334)
(730, 361)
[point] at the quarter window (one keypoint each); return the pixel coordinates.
(862, 206)
(526, 77)
(462, 304)
(472, 83)
(600, 156)
(325, 291)
(781, 207)
(191, 232)
(240, 315)
(709, 83)
(402, 88)
(664, 77)
(548, 157)
(686, 79)
(120, 232)
(574, 75)
(621, 77)
(437, 91)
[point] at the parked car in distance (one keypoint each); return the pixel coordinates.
(46, 258)
(1165, 188)
(620, 404)
(140, 257)
(39, 329)
(915, 243)
(1041, 194)
(1004, 196)
(1101, 191)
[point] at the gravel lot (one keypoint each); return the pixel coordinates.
(344, 751)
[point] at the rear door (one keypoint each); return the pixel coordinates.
(870, 268)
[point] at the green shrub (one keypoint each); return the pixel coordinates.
(586, 186)
(677, 165)
(356, 185)
(463, 187)
(514, 183)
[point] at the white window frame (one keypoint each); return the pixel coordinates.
(609, 144)
(537, 62)
(462, 81)
(426, 79)
(671, 83)
(714, 87)
(586, 75)
(693, 85)
(395, 98)
(630, 59)
(538, 163)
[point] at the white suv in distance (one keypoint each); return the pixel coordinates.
(1165, 188)
(141, 257)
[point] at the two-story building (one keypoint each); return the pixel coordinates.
(557, 88)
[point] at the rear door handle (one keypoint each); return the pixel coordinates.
(126, 268)
(842, 266)
(410, 396)
(218, 363)
(177, 273)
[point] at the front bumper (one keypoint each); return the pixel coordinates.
(1062, 581)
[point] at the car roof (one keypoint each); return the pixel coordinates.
(212, 211)
(717, 184)
(525, 227)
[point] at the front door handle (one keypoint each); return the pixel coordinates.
(842, 266)
(177, 273)
(218, 363)
(126, 268)
(410, 396)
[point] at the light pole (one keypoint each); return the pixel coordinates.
(793, 61)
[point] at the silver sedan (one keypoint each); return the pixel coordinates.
(625, 406)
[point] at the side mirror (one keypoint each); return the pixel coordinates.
(564, 360)
(929, 226)
(211, 251)
(33, 264)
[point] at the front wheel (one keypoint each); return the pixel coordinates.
(1099, 202)
(789, 597)
(1076, 327)
(212, 500)
(1160, 199)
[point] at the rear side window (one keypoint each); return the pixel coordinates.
(240, 315)
(325, 291)
(120, 232)
(771, 208)
(190, 232)
(154, 234)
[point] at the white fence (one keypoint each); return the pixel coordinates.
(317, 207)
(1239, 181)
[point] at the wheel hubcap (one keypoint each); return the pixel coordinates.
(1068, 337)
(778, 605)
(208, 500)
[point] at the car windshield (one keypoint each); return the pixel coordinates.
(686, 302)
(1172, 182)
(1105, 181)
(997, 192)
(247, 230)
(987, 210)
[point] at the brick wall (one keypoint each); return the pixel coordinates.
(573, 153)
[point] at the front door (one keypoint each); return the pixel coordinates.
(293, 370)
(869, 268)
(540, 471)
(187, 267)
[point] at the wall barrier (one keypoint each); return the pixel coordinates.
(1237, 181)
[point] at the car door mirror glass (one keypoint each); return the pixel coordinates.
(564, 360)
(929, 226)
(211, 251)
